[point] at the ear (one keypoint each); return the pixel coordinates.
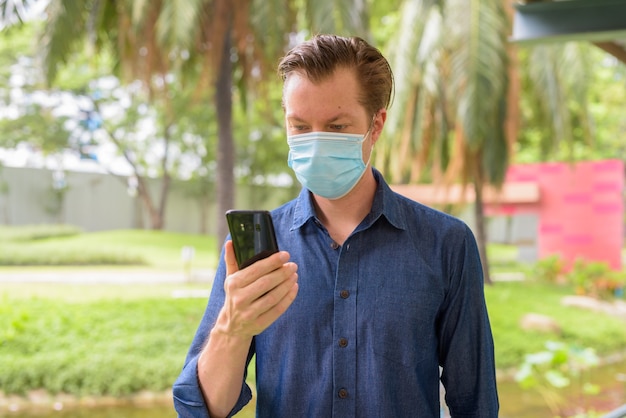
(379, 123)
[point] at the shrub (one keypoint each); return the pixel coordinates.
(50, 245)
(37, 232)
(107, 347)
(549, 269)
(595, 278)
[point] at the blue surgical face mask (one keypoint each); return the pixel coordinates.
(329, 164)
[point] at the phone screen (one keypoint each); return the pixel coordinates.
(252, 233)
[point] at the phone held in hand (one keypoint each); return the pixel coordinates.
(253, 236)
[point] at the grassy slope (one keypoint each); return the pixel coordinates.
(156, 249)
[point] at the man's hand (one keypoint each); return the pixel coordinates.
(257, 295)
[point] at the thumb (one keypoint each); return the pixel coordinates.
(229, 258)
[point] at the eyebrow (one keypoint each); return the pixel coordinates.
(335, 118)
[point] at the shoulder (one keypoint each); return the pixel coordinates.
(409, 214)
(418, 215)
(429, 212)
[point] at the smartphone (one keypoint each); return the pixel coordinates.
(253, 236)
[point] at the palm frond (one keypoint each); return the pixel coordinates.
(272, 21)
(14, 11)
(320, 16)
(479, 69)
(409, 52)
(62, 34)
(177, 23)
(548, 87)
(479, 76)
(353, 18)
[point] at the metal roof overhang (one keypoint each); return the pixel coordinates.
(510, 193)
(602, 22)
(569, 20)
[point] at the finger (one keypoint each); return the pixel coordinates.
(273, 287)
(276, 310)
(230, 259)
(263, 267)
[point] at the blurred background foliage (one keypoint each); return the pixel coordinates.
(187, 89)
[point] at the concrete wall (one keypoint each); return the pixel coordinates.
(95, 201)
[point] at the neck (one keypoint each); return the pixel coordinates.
(342, 216)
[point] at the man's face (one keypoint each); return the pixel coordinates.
(329, 106)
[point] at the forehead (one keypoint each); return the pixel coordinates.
(337, 94)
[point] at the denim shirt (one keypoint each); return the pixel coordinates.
(373, 322)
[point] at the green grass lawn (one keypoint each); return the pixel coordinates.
(63, 246)
(509, 302)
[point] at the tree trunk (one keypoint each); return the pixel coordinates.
(481, 230)
(156, 214)
(159, 218)
(225, 186)
(146, 201)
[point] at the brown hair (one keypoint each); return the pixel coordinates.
(319, 57)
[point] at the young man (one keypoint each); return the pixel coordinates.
(373, 293)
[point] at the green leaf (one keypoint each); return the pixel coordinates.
(557, 379)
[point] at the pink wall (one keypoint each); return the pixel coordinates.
(580, 208)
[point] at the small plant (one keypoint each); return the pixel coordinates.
(549, 269)
(552, 370)
(596, 279)
(616, 284)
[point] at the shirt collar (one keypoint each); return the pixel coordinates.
(386, 203)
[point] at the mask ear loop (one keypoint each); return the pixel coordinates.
(370, 132)
(370, 129)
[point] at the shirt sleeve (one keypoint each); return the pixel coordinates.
(189, 401)
(466, 343)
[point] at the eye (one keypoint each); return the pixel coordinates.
(298, 128)
(337, 127)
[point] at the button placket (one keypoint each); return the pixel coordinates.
(344, 330)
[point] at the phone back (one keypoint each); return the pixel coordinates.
(253, 236)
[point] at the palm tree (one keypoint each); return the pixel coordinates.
(557, 82)
(150, 42)
(461, 85)
(215, 44)
(451, 64)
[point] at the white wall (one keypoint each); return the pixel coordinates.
(95, 202)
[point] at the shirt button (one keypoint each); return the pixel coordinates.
(334, 245)
(343, 342)
(343, 394)
(344, 294)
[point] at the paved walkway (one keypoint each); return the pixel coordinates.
(101, 276)
(126, 276)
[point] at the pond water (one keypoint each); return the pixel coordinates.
(611, 379)
(127, 411)
(514, 402)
